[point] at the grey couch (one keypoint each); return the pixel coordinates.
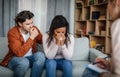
(82, 55)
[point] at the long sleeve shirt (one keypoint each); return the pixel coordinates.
(115, 33)
(56, 52)
(17, 46)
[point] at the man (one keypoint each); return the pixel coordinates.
(22, 39)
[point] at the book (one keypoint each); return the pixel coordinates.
(95, 68)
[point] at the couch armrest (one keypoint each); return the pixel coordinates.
(95, 53)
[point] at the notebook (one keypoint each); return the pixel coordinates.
(95, 68)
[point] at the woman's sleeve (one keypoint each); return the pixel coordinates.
(50, 51)
(68, 51)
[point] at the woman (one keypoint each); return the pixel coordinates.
(114, 8)
(114, 66)
(58, 46)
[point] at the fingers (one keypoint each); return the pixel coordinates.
(33, 32)
(33, 28)
(102, 63)
(57, 36)
(63, 36)
(60, 38)
(99, 59)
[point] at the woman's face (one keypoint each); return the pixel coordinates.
(60, 31)
(113, 10)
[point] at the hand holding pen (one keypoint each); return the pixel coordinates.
(102, 62)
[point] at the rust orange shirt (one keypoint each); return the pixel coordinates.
(17, 46)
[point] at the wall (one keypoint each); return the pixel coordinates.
(39, 8)
(72, 7)
(8, 11)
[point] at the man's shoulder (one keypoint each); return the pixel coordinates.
(13, 30)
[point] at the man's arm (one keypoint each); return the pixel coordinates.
(39, 37)
(17, 46)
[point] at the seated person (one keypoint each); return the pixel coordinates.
(22, 40)
(58, 45)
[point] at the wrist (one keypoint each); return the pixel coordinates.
(63, 46)
(57, 42)
(31, 37)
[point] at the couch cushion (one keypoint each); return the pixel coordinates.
(58, 73)
(81, 49)
(79, 67)
(3, 47)
(5, 72)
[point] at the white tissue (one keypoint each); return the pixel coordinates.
(60, 38)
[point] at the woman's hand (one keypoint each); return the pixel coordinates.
(60, 39)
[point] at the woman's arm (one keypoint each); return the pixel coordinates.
(50, 51)
(68, 51)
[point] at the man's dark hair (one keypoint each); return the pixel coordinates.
(22, 16)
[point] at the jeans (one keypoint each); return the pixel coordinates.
(53, 64)
(20, 65)
(90, 73)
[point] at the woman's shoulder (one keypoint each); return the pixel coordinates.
(71, 36)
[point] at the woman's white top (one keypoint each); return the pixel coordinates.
(57, 52)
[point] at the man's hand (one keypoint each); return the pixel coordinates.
(33, 33)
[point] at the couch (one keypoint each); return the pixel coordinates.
(82, 56)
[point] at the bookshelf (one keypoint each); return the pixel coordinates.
(92, 20)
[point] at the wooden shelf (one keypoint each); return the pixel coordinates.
(97, 35)
(92, 20)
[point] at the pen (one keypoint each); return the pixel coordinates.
(100, 61)
(97, 62)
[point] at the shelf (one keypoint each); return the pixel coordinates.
(100, 4)
(98, 36)
(80, 20)
(93, 20)
(109, 37)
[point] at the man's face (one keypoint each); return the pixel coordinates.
(27, 25)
